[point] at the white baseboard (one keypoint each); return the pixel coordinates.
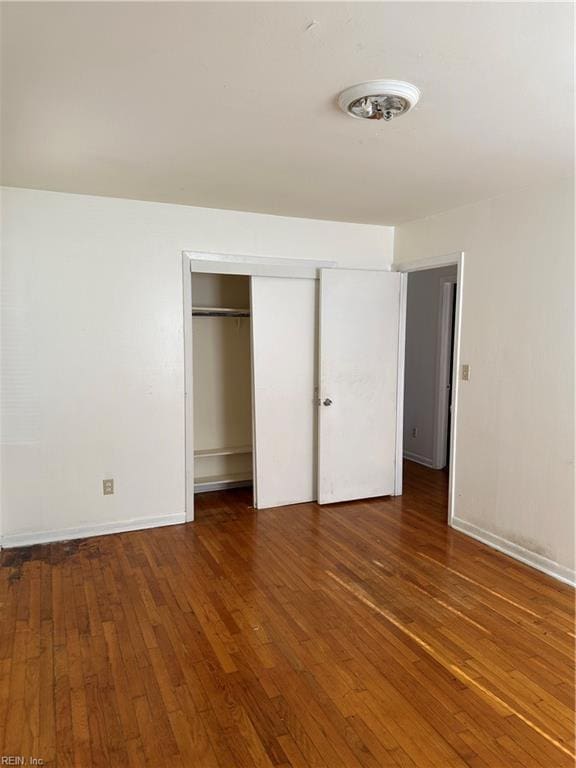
(83, 532)
(419, 459)
(541, 563)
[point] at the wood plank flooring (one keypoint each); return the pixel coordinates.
(359, 635)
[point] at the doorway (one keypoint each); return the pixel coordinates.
(433, 312)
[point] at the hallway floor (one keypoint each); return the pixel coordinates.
(357, 635)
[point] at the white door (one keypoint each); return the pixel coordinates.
(359, 329)
(284, 359)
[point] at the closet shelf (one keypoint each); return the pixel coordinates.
(222, 451)
(212, 482)
(220, 312)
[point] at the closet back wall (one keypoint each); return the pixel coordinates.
(93, 372)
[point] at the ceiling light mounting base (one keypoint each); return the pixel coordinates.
(379, 99)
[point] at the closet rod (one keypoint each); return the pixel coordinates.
(219, 312)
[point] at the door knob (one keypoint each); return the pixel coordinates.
(327, 401)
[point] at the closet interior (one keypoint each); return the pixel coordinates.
(222, 381)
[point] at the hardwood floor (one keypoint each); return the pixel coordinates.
(356, 635)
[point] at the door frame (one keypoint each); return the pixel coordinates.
(446, 333)
(455, 258)
(223, 264)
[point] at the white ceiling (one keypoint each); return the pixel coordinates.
(232, 105)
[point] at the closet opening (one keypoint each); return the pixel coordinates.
(222, 392)
(278, 393)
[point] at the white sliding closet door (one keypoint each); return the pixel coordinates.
(284, 375)
(359, 327)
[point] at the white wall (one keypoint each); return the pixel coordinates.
(93, 349)
(515, 432)
(421, 375)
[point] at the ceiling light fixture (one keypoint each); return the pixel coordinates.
(379, 99)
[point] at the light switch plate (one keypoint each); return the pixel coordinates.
(108, 487)
(465, 372)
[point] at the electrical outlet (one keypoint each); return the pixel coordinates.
(465, 372)
(414, 431)
(108, 487)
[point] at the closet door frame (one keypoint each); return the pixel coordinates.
(224, 264)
